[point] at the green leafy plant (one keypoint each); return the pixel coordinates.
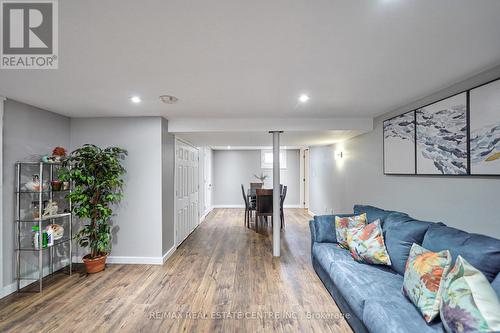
(97, 177)
(262, 177)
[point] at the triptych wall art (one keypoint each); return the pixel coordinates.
(456, 136)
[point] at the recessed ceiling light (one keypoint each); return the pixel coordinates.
(303, 98)
(228, 147)
(135, 99)
(168, 99)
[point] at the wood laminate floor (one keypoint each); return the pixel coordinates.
(223, 278)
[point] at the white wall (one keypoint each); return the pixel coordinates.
(138, 218)
(28, 133)
(235, 167)
(468, 203)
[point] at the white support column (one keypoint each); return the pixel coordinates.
(276, 194)
(2, 99)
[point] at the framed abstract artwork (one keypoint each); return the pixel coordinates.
(441, 137)
(485, 129)
(399, 145)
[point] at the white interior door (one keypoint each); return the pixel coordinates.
(208, 179)
(186, 190)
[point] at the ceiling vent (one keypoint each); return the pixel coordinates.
(167, 99)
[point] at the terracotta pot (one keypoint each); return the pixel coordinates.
(56, 185)
(95, 265)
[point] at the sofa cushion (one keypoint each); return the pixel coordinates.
(326, 253)
(400, 232)
(469, 302)
(396, 314)
(480, 251)
(496, 285)
(342, 224)
(373, 213)
(359, 282)
(423, 279)
(325, 228)
(366, 244)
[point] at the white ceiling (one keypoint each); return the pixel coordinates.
(234, 58)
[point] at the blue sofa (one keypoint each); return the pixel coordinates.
(370, 296)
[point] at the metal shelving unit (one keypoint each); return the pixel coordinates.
(21, 220)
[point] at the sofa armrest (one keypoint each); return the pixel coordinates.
(324, 228)
(312, 228)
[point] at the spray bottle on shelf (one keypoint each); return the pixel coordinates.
(36, 237)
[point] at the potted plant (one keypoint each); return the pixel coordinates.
(262, 177)
(97, 176)
(56, 183)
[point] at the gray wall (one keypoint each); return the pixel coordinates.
(28, 133)
(139, 215)
(466, 203)
(168, 178)
(326, 185)
(232, 168)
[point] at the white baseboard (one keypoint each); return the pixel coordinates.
(134, 260)
(168, 254)
(310, 213)
(292, 206)
(204, 216)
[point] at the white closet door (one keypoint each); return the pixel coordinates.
(186, 192)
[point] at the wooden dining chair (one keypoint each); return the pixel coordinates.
(249, 207)
(253, 189)
(264, 207)
(282, 202)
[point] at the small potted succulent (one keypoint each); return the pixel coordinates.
(97, 176)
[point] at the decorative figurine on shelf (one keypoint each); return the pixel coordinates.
(65, 186)
(57, 231)
(34, 184)
(59, 151)
(58, 155)
(35, 209)
(51, 208)
(50, 159)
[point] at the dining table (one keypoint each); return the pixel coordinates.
(252, 194)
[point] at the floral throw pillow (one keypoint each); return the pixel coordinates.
(344, 223)
(423, 279)
(366, 244)
(469, 303)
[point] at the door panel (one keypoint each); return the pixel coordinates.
(186, 195)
